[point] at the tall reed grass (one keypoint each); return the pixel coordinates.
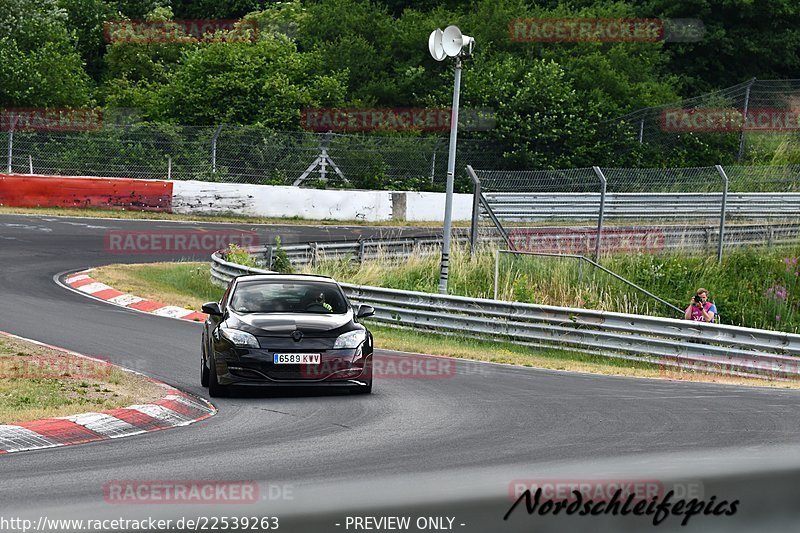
(739, 285)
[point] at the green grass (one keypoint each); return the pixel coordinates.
(39, 382)
(185, 284)
(740, 286)
(192, 286)
(230, 217)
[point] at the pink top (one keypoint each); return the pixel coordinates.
(697, 314)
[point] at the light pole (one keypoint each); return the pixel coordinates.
(450, 43)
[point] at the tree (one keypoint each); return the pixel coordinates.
(267, 82)
(38, 65)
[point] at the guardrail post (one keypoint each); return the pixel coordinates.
(214, 149)
(496, 270)
(770, 236)
(724, 176)
(268, 257)
(476, 209)
(601, 211)
(314, 254)
(361, 246)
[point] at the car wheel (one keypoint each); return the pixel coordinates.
(203, 368)
(215, 390)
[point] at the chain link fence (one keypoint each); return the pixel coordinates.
(591, 211)
(755, 121)
(246, 154)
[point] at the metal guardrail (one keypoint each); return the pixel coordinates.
(585, 206)
(394, 249)
(666, 341)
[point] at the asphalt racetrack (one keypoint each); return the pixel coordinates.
(439, 447)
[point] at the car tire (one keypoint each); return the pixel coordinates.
(204, 374)
(215, 390)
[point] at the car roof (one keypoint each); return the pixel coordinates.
(285, 277)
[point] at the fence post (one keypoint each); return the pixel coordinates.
(268, 257)
(601, 211)
(214, 149)
(11, 141)
(169, 167)
(744, 120)
(641, 131)
(724, 176)
(30, 164)
(496, 270)
(476, 209)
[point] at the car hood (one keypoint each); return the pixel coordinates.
(283, 324)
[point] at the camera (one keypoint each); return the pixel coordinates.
(697, 300)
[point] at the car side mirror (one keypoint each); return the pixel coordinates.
(212, 308)
(365, 311)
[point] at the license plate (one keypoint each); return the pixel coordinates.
(296, 358)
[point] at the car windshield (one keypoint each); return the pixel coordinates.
(288, 297)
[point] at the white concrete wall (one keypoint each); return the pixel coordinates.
(332, 204)
(277, 201)
(430, 206)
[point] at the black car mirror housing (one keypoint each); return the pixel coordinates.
(212, 308)
(365, 311)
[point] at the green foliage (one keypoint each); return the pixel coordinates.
(754, 287)
(240, 256)
(555, 102)
(280, 259)
(266, 82)
(38, 64)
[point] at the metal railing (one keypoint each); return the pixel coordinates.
(664, 341)
(357, 251)
(697, 201)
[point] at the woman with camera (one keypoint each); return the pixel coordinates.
(700, 309)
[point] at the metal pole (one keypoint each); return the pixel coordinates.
(169, 167)
(744, 120)
(476, 209)
(433, 161)
(496, 270)
(601, 211)
(722, 211)
(11, 141)
(30, 164)
(641, 131)
(451, 170)
(214, 149)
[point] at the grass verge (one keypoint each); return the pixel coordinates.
(189, 285)
(230, 218)
(40, 382)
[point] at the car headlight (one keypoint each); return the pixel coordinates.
(239, 338)
(351, 339)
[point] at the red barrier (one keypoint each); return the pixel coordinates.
(104, 193)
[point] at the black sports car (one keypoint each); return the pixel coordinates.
(285, 330)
